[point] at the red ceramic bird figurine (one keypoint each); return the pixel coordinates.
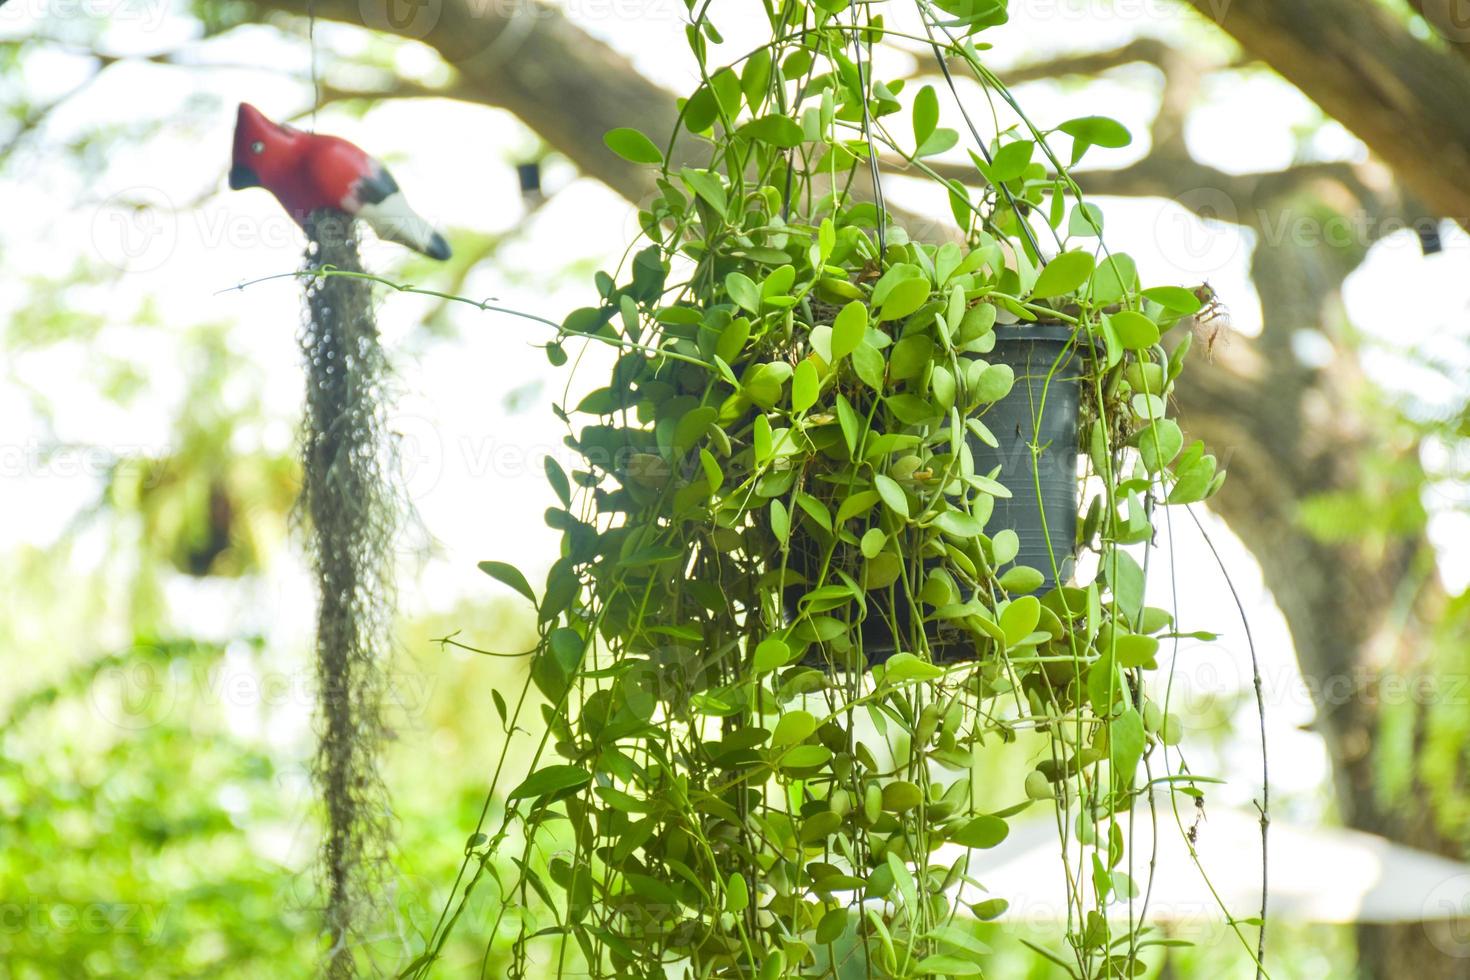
(307, 172)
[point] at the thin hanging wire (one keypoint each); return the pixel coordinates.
(980, 143)
(316, 86)
(864, 85)
(1264, 807)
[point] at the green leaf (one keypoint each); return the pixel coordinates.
(1019, 619)
(1011, 161)
(700, 110)
(737, 894)
(805, 757)
(726, 85)
(1159, 443)
(942, 387)
(892, 494)
(1136, 651)
(771, 653)
(1175, 299)
(994, 383)
(780, 521)
(882, 570)
(815, 509)
(632, 145)
(508, 575)
(792, 728)
(926, 114)
(904, 667)
(943, 139)
(804, 386)
(1098, 130)
(708, 186)
(1126, 740)
(910, 356)
(653, 889)
(958, 524)
(869, 365)
(1125, 578)
(1194, 479)
(904, 298)
(1021, 579)
(897, 273)
(553, 780)
(957, 933)
(832, 926)
(910, 409)
(847, 417)
(848, 329)
(1086, 221)
(760, 440)
(989, 909)
(557, 477)
(619, 800)
(777, 130)
(940, 965)
(1063, 275)
(982, 832)
(859, 503)
(826, 238)
(713, 475)
(744, 291)
(900, 796)
(1116, 276)
(974, 15)
(872, 542)
(755, 79)
(732, 339)
(778, 283)
(1124, 884)
(1005, 545)
(1135, 331)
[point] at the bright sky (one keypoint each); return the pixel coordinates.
(475, 471)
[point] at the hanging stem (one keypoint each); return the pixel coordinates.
(352, 512)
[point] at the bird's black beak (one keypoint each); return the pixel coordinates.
(242, 177)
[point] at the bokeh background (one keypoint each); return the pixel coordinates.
(156, 701)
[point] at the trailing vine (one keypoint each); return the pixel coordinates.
(817, 547)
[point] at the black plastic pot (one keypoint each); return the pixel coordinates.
(1041, 409)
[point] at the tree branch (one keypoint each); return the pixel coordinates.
(1402, 96)
(531, 60)
(1252, 200)
(1145, 50)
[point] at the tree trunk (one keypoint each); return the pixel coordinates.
(1357, 610)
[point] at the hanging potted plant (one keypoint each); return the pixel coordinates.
(818, 550)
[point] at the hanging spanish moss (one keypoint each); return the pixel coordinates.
(351, 508)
